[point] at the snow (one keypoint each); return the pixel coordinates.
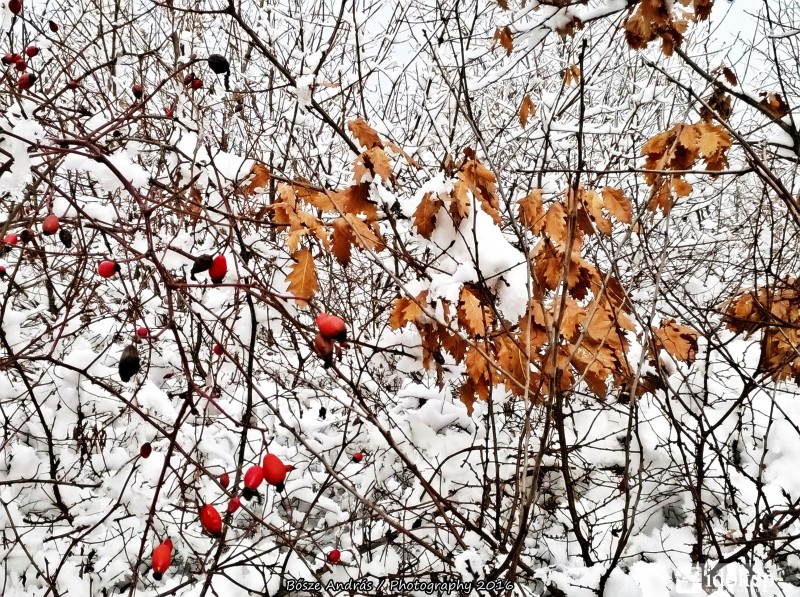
(459, 484)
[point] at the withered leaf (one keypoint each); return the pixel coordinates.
(425, 215)
(302, 278)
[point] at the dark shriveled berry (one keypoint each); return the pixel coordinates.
(65, 236)
(129, 363)
(219, 64)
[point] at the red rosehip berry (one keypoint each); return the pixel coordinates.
(137, 91)
(108, 268)
(224, 480)
(53, 26)
(50, 225)
(10, 239)
(15, 6)
(234, 504)
(218, 269)
(20, 66)
(196, 84)
(73, 84)
(274, 470)
(334, 556)
(162, 556)
(142, 332)
(332, 327)
(253, 477)
(358, 457)
(218, 350)
(31, 51)
(211, 520)
(26, 81)
(145, 450)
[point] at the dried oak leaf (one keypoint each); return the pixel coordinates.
(259, 179)
(774, 105)
(302, 278)
(471, 313)
(373, 162)
(526, 110)
(425, 215)
(407, 310)
(505, 39)
(341, 240)
(531, 211)
(678, 340)
(617, 205)
(365, 134)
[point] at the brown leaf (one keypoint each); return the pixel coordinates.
(283, 209)
(548, 264)
(364, 236)
(660, 197)
(678, 340)
(572, 317)
(713, 139)
(459, 203)
(319, 200)
(526, 110)
(702, 8)
(570, 27)
(594, 205)
(689, 137)
(466, 393)
(729, 75)
(652, 20)
(505, 39)
(471, 313)
(352, 200)
(477, 367)
(302, 279)
(681, 187)
(555, 224)
(774, 105)
(195, 206)
(365, 134)
(259, 179)
(572, 74)
(374, 162)
(425, 215)
(617, 205)
(601, 325)
(342, 240)
(531, 212)
(406, 310)
(454, 344)
(483, 184)
(503, 4)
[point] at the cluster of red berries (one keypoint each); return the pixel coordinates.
(50, 225)
(216, 267)
(26, 80)
(192, 81)
(272, 470)
(20, 65)
(330, 328)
